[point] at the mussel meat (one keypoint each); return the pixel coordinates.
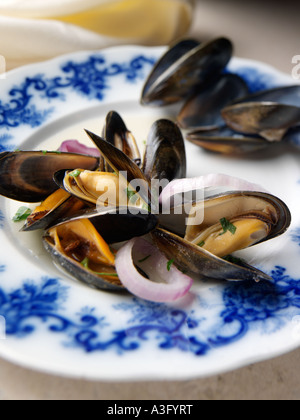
(97, 188)
(57, 205)
(231, 222)
(81, 251)
(80, 245)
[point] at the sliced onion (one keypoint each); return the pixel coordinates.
(180, 186)
(74, 146)
(172, 285)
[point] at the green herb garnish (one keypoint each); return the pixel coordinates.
(132, 195)
(233, 260)
(22, 214)
(169, 264)
(227, 226)
(75, 173)
(107, 274)
(146, 207)
(85, 262)
(201, 244)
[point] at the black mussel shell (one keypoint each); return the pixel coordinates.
(204, 108)
(165, 156)
(179, 80)
(28, 176)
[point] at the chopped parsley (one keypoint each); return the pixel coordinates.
(233, 260)
(169, 264)
(85, 263)
(107, 274)
(227, 226)
(132, 195)
(75, 174)
(22, 214)
(201, 244)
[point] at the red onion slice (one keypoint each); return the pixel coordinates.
(180, 186)
(172, 285)
(74, 146)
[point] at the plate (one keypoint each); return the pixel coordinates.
(56, 325)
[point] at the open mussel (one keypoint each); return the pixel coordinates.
(227, 223)
(165, 159)
(126, 171)
(176, 76)
(98, 188)
(28, 176)
(80, 245)
(116, 133)
(57, 205)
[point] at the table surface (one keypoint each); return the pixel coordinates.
(265, 31)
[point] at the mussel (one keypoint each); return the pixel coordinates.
(102, 202)
(203, 109)
(80, 250)
(116, 133)
(253, 122)
(176, 76)
(231, 222)
(28, 176)
(57, 205)
(268, 119)
(226, 141)
(80, 245)
(165, 156)
(218, 112)
(97, 188)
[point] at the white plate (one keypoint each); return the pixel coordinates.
(56, 325)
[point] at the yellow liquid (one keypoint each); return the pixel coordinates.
(152, 22)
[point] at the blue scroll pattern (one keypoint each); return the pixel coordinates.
(90, 78)
(245, 306)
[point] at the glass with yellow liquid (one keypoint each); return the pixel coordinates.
(152, 22)
(47, 28)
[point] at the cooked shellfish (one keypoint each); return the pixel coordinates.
(231, 222)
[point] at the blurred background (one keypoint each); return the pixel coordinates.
(35, 30)
(265, 30)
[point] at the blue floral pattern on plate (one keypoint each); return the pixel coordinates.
(41, 304)
(90, 78)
